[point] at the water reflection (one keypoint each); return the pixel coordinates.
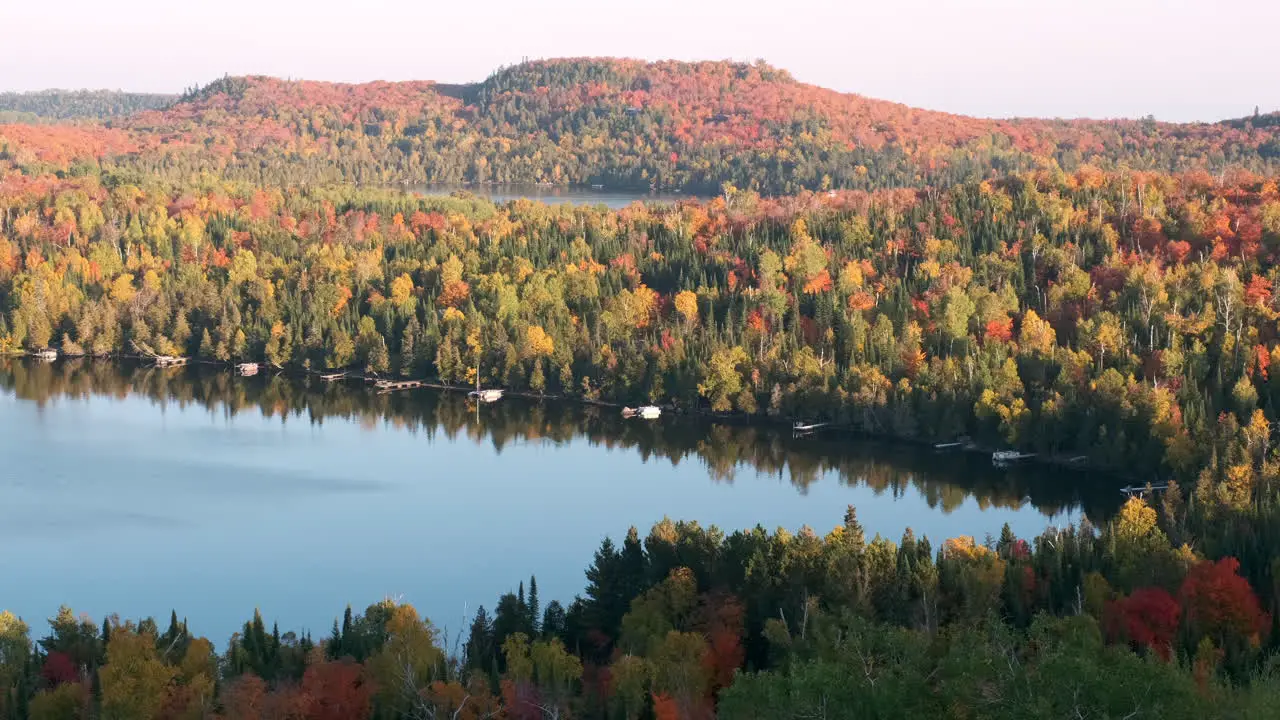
(945, 481)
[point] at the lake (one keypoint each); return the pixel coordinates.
(135, 490)
(549, 194)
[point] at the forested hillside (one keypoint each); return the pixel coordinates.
(47, 105)
(1075, 288)
(1127, 317)
(622, 123)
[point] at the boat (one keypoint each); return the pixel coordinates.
(803, 427)
(247, 369)
(486, 396)
(47, 354)
(648, 412)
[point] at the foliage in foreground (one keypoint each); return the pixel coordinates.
(693, 623)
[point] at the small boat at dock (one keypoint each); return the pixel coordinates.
(247, 369)
(486, 396)
(47, 354)
(804, 427)
(644, 412)
(1004, 457)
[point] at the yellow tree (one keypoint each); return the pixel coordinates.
(408, 663)
(723, 382)
(687, 305)
(15, 649)
(680, 671)
(1036, 335)
(135, 681)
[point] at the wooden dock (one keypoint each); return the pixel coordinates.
(330, 377)
(165, 361)
(1142, 490)
(803, 427)
(386, 386)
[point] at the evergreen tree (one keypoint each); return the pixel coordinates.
(533, 609)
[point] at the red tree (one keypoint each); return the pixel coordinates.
(243, 698)
(59, 668)
(1217, 602)
(337, 691)
(722, 623)
(1147, 618)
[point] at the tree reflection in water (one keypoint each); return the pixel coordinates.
(944, 479)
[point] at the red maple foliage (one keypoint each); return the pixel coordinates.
(59, 668)
(337, 690)
(1217, 602)
(1147, 618)
(244, 698)
(999, 330)
(722, 622)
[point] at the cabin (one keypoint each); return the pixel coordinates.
(247, 369)
(47, 354)
(486, 396)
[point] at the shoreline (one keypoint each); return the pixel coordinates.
(1076, 463)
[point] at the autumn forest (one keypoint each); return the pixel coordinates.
(1101, 291)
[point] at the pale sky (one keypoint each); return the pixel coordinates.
(1175, 59)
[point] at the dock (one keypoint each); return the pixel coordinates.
(1140, 490)
(330, 377)
(387, 386)
(166, 361)
(1001, 457)
(486, 396)
(808, 427)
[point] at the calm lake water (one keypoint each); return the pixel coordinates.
(135, 490)
(549, 194)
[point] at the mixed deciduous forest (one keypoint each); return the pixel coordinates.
(1106, 289)
(1128, 317)
(621, 123)
(690, 622)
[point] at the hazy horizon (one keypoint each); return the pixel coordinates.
(1178, 60)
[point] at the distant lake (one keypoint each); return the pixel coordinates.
(550, 194)
(135, 490)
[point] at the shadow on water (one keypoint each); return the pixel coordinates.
(946, 480)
